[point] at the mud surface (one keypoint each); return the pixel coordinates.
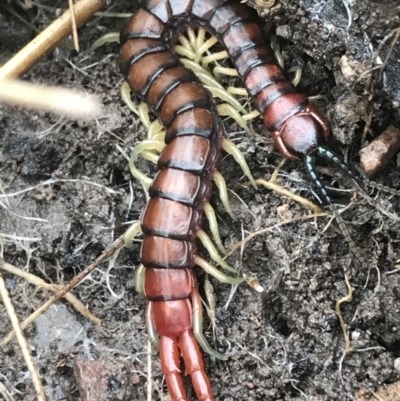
(285, 344)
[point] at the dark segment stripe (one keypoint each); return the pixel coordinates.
(177, 221)
(189, 153)
(242, 36)
(177, 185)
(230, 13)
(148, 68)
(184, 97)
(262, 76)
(253, 57)
(134, 49)
(181, 8)
(162, 9)
(196, 121)
(282, 108)
(268, 95)
(166, 82)
(142, 24)
(167, 253)
(159, 284)
(191, 195)
(204, 10)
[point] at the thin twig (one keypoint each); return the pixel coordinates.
(23, 344)
(74, 27)
(5, 393)
(119, 243)
(271, 228)
(149, 373)
(49, 39)
(283, 191)
(71, 298)
(343, 325)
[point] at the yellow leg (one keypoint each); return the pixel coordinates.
(232, 72)
(227, 110)
(192, 38)
(237, 91)
(251, 116)
(223, 193)
(126, 97)
(111, 37)
(206, 241)
(150, 156)
(208, 44)
(184, 52)
(233, 150)
(137, 150)
(139, 279)
(131, 233)
(210, 269)
(277, 52)
(214, 57)
(297, 74)
(201, 34)
(144, 115)
(216, 89)
(156, 131)
(212, 219)
(184, 41)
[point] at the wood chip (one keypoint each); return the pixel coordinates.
(380, 151)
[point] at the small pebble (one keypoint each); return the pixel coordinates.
(397, 364)
(92, 379)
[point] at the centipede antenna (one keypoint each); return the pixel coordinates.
(329, 155)
(381, 187)
(312, 171)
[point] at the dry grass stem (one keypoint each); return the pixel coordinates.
(271, 228)
(119, 243)
(23, 343)
(149, 373)
(74, 27)
(274, 175)
(5, 393)
(57, 100)
(71, 298)
(343, 325)
(283, 191)
(49, 39)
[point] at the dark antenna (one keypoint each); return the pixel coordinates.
(329, 155)
(312, 171)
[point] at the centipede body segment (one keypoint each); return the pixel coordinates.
(194, 133)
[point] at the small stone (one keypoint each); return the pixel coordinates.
(284, 32)
(92, 379)
(379, 152)
(397, 364)
(350, 67)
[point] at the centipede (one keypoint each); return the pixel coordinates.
(180, 192)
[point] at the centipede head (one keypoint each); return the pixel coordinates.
(302, 133)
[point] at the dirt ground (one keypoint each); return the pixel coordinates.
(283, 344)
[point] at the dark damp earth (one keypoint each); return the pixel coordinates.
(283, 344)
